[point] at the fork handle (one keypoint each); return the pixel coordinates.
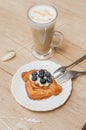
(82, 73)
(77, 73)
(76, 62)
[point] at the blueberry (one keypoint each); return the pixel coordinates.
(34, 73)
(41, 71)
(49, 79)
(41, 75)
(42, 80)
(34, 78)
(47, 74)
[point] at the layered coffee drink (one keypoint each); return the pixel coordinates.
(42, 20)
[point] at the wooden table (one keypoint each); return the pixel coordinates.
(15, 33)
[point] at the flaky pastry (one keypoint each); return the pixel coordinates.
(37, 92)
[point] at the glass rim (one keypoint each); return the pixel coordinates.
(42, 23)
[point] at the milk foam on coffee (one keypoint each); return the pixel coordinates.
(42, 13)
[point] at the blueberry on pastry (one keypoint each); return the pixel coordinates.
(40, 84)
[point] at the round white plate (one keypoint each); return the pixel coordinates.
(53, 102)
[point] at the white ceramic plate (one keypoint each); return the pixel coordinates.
(53, 102)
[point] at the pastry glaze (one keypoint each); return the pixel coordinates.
(35, 92)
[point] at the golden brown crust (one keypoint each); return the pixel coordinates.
(35, 92)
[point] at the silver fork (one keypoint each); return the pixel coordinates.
(63, 69)
(69, 75)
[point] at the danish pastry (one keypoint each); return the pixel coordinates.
(40, 84)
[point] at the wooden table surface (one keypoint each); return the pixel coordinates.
(15, 33)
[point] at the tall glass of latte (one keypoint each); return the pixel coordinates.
(42, 20)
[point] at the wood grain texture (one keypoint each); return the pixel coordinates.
(15, 33)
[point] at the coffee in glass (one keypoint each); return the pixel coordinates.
(42, 19)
